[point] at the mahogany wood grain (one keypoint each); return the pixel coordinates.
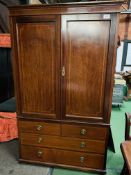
(91, 132)
(62, 157)
(125, 146)
(38, 63)
(126, 151)
(127, 126)
(71, 106)
(85, 70)
(83, 8)
(39, 127)
(111, 66)
(67, 143)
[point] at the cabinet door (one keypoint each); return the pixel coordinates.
(36, 66)
(88, 47)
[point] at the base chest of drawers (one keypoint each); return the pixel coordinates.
(63, 63)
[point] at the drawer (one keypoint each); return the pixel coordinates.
(62, 157)
(39, 127)
(94, 146)
(84, 131)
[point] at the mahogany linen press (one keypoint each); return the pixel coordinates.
(63, 63)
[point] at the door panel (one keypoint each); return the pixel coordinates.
(38, 61)
(86, 41)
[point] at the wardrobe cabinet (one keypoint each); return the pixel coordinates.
(64, 59)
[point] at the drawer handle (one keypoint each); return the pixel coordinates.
(39, 153)
(40, 139)
(82, 159)
(83, 132)
(82, 145)
(39, 127)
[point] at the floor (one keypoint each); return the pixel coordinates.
(9, 164)
(9, 152)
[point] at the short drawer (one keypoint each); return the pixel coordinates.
(84, 131)
(39, 127)
(62, 157)
(94, 146)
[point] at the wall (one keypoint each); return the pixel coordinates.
(125, 26)
(124, 33)
(119, 57)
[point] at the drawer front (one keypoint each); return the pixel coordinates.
(94, 146)
(39, 127)
(84, 131)
(62, 157)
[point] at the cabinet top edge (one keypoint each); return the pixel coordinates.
(67, 8)
(69, 4)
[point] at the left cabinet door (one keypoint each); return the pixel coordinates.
(36, 63)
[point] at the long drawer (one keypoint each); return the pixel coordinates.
(62, 157)
(39, 127)
(84, 131)
(94, 146)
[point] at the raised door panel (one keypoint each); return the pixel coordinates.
(86, 48)
(38, 64)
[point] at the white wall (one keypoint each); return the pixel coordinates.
(128, 60)
(119, 57)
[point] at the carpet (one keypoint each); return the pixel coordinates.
(9, 164)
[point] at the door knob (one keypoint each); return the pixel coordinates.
(39, 153)
(82, 145)
(39, 127)
(40, 139)
(82, 159)
(83, 132)
(63, 71)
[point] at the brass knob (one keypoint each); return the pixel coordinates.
(39, 153)
(83, 132)
(82, 145)
(39, 127)
(82, 159)
(40, 139)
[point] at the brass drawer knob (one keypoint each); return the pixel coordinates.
(39, 153)
(83, 132)
(82, 159)
(82, 145)
(39, 127)
(40, 139)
